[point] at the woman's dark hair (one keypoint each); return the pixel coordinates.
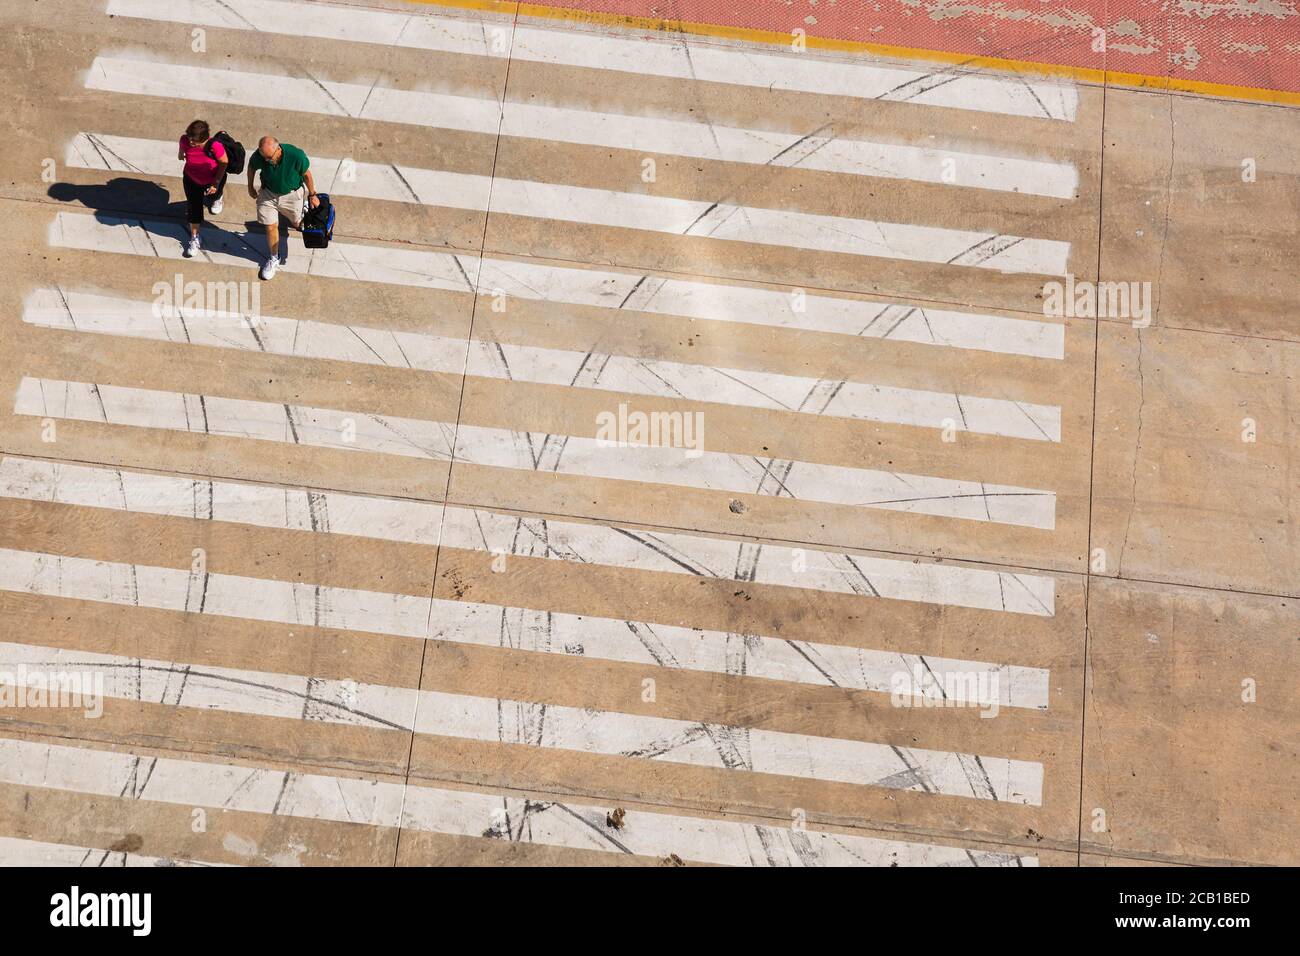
(197, 130)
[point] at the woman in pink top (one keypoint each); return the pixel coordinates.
(204, 178)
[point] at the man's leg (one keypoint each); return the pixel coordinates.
(291, 212)
(269, 216)
(273, 239)
(294, 205)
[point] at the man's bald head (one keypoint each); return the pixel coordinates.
(267, 146)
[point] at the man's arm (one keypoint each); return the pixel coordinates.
(252, 190)
(312, 198)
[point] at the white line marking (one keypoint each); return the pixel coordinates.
(747, 474)
(578, 456)
(587, 287)
(235, 418)
(471, 813)
(795, 309)
(602, 207)
(477, 529)
(404, 184)
(464, 528)
(393, 265)
(80, 674)
(267, 506)
(16, 852)
(728, 653)
(550, 726)
(482, 624)
(694, 139)
(678, 58)
(219, 595)
(728, 559)
(165, 322)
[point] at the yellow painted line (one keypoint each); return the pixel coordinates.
(1203, 87)
(1080, 74)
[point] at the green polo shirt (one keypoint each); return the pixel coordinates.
(284, 176)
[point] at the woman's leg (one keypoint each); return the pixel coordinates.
(221, 188)
(193, 204)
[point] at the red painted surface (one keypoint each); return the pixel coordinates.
(1240, 42)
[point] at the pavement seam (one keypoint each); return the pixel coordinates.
(1092, 468)
(460, 404)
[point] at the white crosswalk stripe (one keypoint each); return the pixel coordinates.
(314, 796)
(420, 523)
(265, 333)
(700, 141)
(686, 466)
(15, 852)
(587, 287)
(634, 736)
(652, 56)
(715, 220)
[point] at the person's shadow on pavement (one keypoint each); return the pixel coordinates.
(149, 206)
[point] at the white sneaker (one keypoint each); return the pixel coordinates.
(215, 208)
(192, 246)
(269, 268)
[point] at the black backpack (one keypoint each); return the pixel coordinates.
(234, 151)
(318, 223)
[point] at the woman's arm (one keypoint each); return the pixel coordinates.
(221, 171)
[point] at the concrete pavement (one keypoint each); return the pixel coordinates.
(675, 424)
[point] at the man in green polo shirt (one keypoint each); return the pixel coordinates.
(285, 179)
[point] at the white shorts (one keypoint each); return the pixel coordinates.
(270, 206)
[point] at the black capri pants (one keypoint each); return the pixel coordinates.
(195, 200)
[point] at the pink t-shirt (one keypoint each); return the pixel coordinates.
(199, 166)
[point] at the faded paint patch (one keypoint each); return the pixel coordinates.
(1057, 19)
(1188, 59)
(1239, 8)
(240, 846)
